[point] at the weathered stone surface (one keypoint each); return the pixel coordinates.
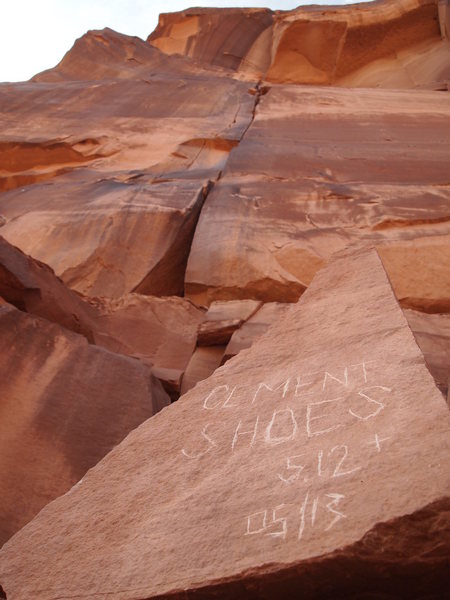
(64, 404)
(320, 169)
(255, 327)
(419, 272)
(432, 334)
(152, 131)
(220, 37)
(376, 44)
(161, 332)
(305, 465)
(33, 287)
(313, 463)
(223, 319)
(203, 363)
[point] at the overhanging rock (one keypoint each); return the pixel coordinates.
(322, 450)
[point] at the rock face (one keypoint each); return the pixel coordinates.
(181, 217)
(320, 169)
(286, 466)
(151, 136)
(318, 45)
(64, 405)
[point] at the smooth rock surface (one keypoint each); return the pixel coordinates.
(294, 459)
(419, 270)
(203, 363)
(432, 334)
(373, 44)
(64, 404)
(318, 170)
(161, 332)
(121, 168)
(255, 327)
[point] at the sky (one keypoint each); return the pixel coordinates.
(35, 34)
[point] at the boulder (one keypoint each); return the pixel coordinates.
(64, 405)
(161, 332)
(314, 463)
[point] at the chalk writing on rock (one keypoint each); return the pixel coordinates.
(289, 422)
(336, 464)
(322, 511)
(300, 386)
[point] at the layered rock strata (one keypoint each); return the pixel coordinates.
(372, 44)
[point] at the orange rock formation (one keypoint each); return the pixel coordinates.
(240, 211)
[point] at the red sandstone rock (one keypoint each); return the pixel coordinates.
(106, 164)
(320, 461)
(255, 327)
(64, 405)
(203, 363)
(419, 272)
(161, 332)
(383, 43)
(152, 132)
(320, 169)
(33, 287)
(223, 319)
(432, 334)
(220, 37)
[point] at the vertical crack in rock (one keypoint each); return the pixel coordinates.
(167, 277)
(258, 91)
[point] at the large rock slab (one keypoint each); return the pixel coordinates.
(121, 167)
(319, 169)
(315, 462)
(376, 44)
(64, 404)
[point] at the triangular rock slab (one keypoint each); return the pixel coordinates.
(237, 483)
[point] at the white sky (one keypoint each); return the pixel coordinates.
(35, 34)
